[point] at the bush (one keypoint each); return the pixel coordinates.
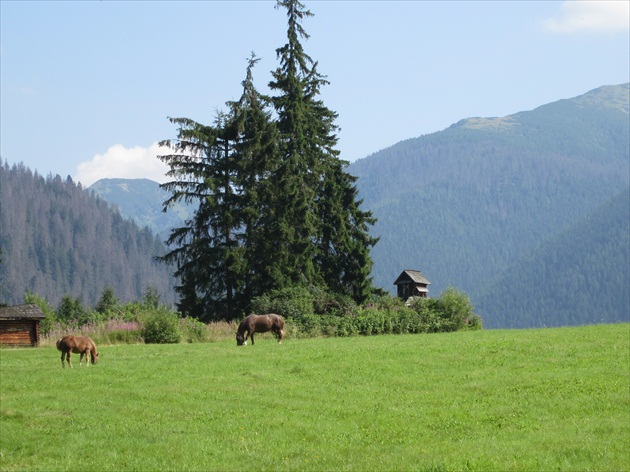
(346, 326)
(325, 303)
(192, 330)
(161, 327)
(474, 323)
(452, 311)
(456, 308)
(292, 302)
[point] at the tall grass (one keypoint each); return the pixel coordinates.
(551, 399)
(120, 331)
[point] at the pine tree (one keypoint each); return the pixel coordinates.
(320, 226)
(256, 156)
(204, 249)
(276, 208)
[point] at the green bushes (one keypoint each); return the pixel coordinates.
(192, 330)
(162, 327)
(294, 302)
(452, 311)
(308, 312)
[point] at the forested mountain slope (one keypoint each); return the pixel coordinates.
(57, 239)
(581, 276)
(466, 203)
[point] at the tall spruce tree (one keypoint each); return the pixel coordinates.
(275, 207)
(223, 253)
(206, 248)
(256, 156)
(321, 230)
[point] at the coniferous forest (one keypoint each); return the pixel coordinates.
(58, 239)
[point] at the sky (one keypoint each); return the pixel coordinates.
(87, 86)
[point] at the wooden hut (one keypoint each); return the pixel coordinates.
(412, 283)
(19, 325)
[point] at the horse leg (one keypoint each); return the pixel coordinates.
(68, 358)
(252, 337)
(280, 336)
(87, 358)
(63, 356)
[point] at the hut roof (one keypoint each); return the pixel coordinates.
(412, 276)
(20, 312)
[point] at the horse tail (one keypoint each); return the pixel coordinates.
(59, 345)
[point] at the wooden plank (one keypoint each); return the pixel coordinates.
(19, 332)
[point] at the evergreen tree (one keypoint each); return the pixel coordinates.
(275, 207)
(256, 157)
(107, 301)
(322, 233)
(204, 248)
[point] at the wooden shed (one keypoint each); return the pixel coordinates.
(412, 283)
(19, 325)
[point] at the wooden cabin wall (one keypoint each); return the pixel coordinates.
(19, 332)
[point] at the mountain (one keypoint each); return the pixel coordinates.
(580, 276)
(57, 239)
(141, 200)
(466, 204)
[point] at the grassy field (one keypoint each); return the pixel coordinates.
(549, 399)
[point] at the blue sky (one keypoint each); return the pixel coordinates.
(86, 87)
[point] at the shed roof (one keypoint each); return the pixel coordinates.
(412, 276)
(19, 312)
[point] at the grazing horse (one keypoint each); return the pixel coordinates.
(259, 324)
(77, 344)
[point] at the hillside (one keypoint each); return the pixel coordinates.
(57, 239)
(466, 203)
(581, 276)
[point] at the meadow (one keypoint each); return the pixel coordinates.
(521, 400)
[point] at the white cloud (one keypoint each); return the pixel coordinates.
(599, 16)
(124, 163)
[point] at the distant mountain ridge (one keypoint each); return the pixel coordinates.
(467, 203)
(141, 200)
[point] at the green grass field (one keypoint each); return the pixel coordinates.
(548, 399)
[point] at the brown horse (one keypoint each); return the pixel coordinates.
(77, 344)
(259, 324)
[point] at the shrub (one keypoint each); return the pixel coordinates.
(192, 330)
(346, 326)
(455, 307)
(292, 302)
(325, 303)
(161, 327)
(474, 323)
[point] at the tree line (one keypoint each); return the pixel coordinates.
(275, 207)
